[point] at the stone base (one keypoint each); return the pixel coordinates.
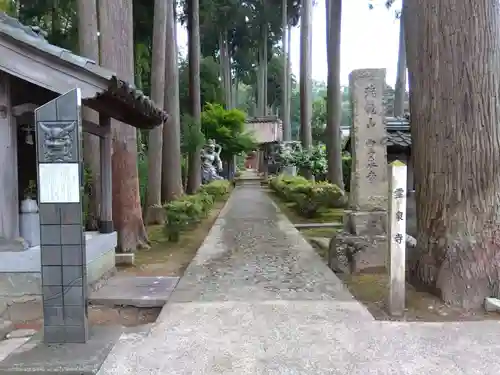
(21, 309)
(124, 259)
(492, 304)
(20, 278)
(34, 357)
(362, 223)
(29, 228)
(348, 253)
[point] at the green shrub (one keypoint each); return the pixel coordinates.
(186, 212)
(283, 185)
(308, 197)
(217, 189)
(177, 218)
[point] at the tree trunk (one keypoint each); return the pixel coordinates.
(117, 47)
(194, 169)
(258, 92)
(289, 83)
(89, 47)
(454, 76)
(265, 104)
(221, 65)
(235, 93)
(400, 89)
(171, 164)
(229, 78)
(225, 67)
(285, 111)
(334, 97)
(261, 93)
(154, 210)
(305, 78)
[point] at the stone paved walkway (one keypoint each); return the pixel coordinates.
(257, 299)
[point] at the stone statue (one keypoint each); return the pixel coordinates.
(211, 165)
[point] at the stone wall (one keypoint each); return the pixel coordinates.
(20, 270)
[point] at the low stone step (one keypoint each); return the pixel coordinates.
(492, 304)
(318, 225)
(21, 333)
(6, 326)
(138, 291)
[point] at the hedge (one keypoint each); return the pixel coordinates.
(307, 197)
(186, 212)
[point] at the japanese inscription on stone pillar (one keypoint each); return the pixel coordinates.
(62, 242)
(368, 141)
(397, 238)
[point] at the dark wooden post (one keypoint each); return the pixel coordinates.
(106, 211)
(62, 241)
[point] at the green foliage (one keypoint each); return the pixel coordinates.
(312, 159)
(227, 128)
(192, 137)
(218, 190)
(318, 121)
(307, 197)
(243, 21)
(210, 85)
(186, 212)
(59, 21)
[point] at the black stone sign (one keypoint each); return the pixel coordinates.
(62, 240)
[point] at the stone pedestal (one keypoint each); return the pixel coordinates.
(290, 170)
(363, 243)
(29, 225)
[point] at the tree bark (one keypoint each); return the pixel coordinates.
(227, 65)
(194, 169)
(262, 78)
(265, 37)
(171, 164)
(334, 97)
(285, 111)
(117, 50)
(289, 75)
(89, 47)
(154, 210)
(225, 68)
(454, 76)
(400, 89)
(305, 78)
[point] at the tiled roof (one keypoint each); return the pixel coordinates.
(399, 138)
(395, 138)
(127, 93)
(251, 120)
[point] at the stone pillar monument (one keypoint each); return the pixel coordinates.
(363, 244)
(369, 181)
(62, 241)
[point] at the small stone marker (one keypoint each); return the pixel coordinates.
(62, 242)
(397, 238)
(363, 244)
